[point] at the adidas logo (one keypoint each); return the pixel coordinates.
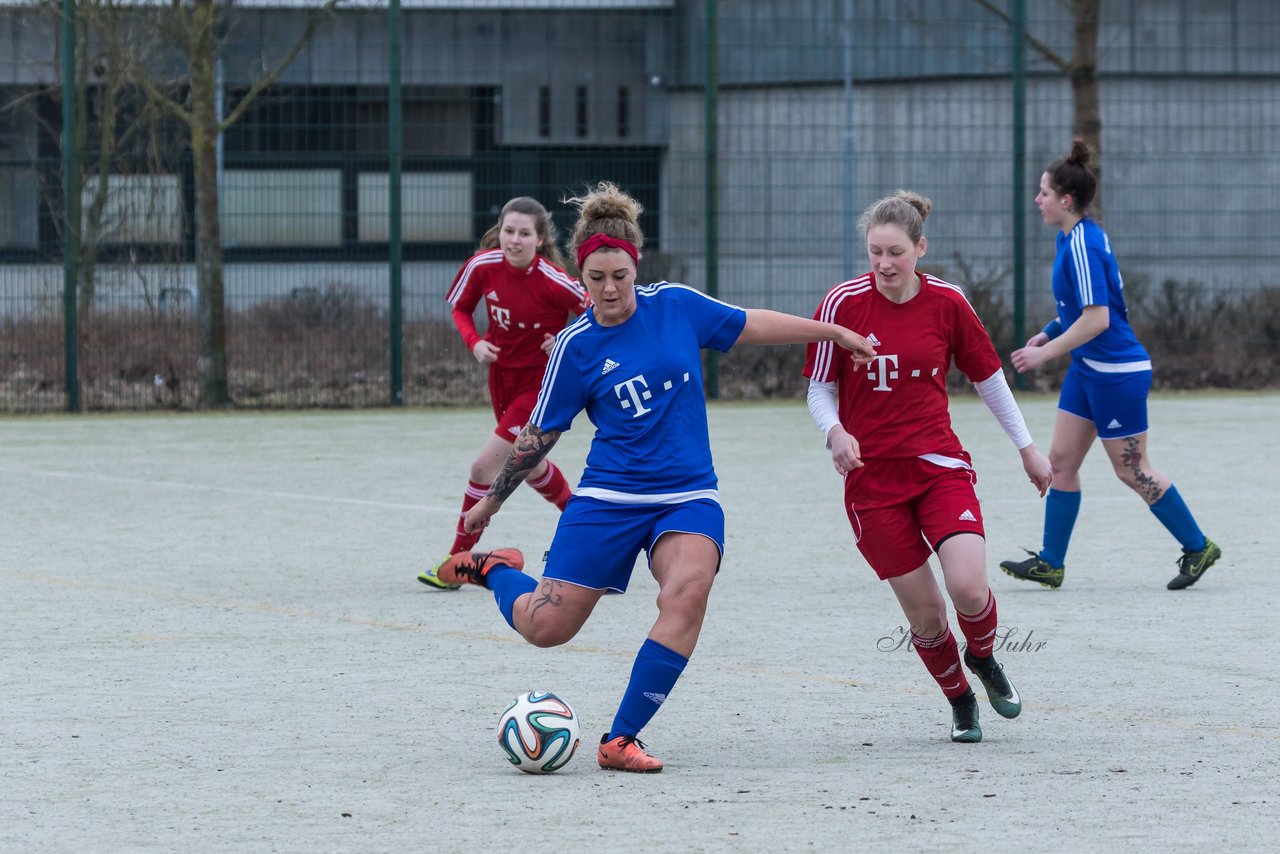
(967, 516)
(609, 365)
(873, 340)
(658, 699)
(1113, 425)
(493, 295)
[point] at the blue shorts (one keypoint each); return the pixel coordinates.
(1115, 403)
(596, 542)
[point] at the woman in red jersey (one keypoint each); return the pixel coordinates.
(908, 482)
(519, 273)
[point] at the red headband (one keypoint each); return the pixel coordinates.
(598, 240)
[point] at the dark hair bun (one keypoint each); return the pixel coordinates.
(1080, 154)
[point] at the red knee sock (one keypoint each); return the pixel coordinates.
(552, 486)
(980, 628)
(462, 541)
(941, 658)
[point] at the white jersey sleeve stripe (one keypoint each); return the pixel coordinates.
(1080, 257)
(650, 290)
(561, 278)
(825, 353)
(931, 280)
(492, 257)
(553, 364)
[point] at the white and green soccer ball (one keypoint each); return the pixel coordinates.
(539, 732)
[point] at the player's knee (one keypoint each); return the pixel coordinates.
(544, 635)
(480, 471)
(687, 602)
(970, 598)
(1063, 468)
(1131, 477)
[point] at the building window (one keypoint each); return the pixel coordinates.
(544, 111)
(284, 207)
(624, 112)
(434, 206)
(136, 208)
(581, 100)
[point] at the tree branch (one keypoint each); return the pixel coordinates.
(270, 77)
(164, 101)
(1042, 48)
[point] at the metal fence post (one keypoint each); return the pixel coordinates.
(1018, 85)
(850, 171)
(711, 144)
(395, 135)
(71, 209)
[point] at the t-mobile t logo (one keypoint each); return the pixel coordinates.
(881, 370)
(633, 393)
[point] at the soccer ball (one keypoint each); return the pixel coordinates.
(538, 732)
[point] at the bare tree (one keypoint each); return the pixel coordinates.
(101, 84)
(1082, 68)
(193, 27)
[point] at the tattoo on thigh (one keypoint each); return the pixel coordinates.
(548, 593)
(1144, 484)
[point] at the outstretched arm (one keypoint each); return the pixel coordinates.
(531, 448)
(774, 327)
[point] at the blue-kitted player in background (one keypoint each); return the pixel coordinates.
(1104, 393)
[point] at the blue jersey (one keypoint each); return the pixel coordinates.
(640, 383)
(1085, 273)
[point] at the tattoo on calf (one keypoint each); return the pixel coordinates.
(1144, 484)
(530, 448)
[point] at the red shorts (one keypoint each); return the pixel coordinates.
(513, 393)
(901, 510)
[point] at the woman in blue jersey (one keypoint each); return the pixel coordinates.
(1105, 390)
(633, 364)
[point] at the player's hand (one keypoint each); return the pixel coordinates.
(478, 516)
(1039, 339)
(845, 453)
(485, 352)
(548, 342)
(1028, 358)
(860, 347)
(1037, 467)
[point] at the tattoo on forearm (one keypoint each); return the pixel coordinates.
(548, 593)
(1144, 484)
(531, 447)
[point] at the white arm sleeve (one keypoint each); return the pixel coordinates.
(995, 393)
(822, 406)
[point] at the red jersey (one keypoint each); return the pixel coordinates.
(522, 305)
(897, 405)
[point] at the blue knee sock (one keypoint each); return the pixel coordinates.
(652, 677)
(509, 584)
(1060, 511)
(1172, 512)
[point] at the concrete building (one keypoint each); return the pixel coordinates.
(822, 107)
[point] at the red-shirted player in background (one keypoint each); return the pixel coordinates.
(519, 273)
(908, 482)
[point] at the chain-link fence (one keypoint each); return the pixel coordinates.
(265, 265)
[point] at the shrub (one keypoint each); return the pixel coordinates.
(329, 347)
